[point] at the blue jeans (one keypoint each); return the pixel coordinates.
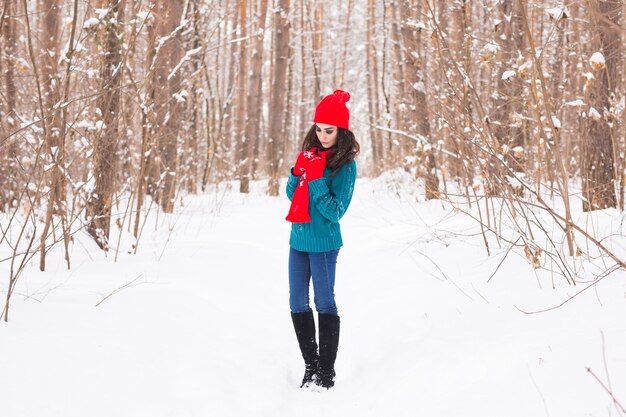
(319, 265)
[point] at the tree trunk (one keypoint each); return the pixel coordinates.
(227, 139)
(415, 78)
(167, 108)
(146, 183)
(508, 105)
(244, 147)
(317, 26)
(49, 49)
(255, 96)
(50, 45)
(11, 179)
(400, 105)
(372, 89)
(462, 109)
(194, 104)
(347, 35)
(304, 60)
(598, 172)
(105, 143)
(277, 101)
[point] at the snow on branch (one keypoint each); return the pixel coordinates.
(558, 13)
(594, 114)
(415, 24)
(489, 52)
(161, 41)
(597, 61)
(184, 59)
(507, 75)
(419, 139)
(575, 103)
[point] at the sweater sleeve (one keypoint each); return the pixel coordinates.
(292, 183)
(333, 203)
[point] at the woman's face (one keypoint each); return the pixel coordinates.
(326, 134)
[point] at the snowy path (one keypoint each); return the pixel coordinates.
(205, 329)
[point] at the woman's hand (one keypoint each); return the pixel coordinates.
(303, 160)
(315, 167)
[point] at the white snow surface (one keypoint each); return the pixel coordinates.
(203, 326)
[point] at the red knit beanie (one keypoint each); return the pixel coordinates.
(332, 110)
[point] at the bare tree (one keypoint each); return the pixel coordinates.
(105, 144)
(372, 88)
(347, 33)
(10, 179)
(244, 162)
(507, 113)
(193, 104)
(598, 170)
(462, 18)
(53, 130)
(304, 62)
(227, 139)
(277, 101)
(252, 132)
(399, 105)
(167, 101)
(316, 26)
(414, 58)
(144, 183)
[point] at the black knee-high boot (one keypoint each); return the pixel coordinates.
(329, 342)
(304, 324)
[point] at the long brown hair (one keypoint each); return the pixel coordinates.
(344, 151)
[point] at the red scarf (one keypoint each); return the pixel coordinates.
(299, 210)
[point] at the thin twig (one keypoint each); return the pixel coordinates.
(115, 291)
(543, 399)
(608, 391)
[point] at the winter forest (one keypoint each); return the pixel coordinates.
(127, 126)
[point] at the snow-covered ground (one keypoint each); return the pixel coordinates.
(197, 323)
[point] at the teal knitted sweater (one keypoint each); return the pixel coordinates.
(329, 198)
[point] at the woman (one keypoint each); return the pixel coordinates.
(320, 189)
